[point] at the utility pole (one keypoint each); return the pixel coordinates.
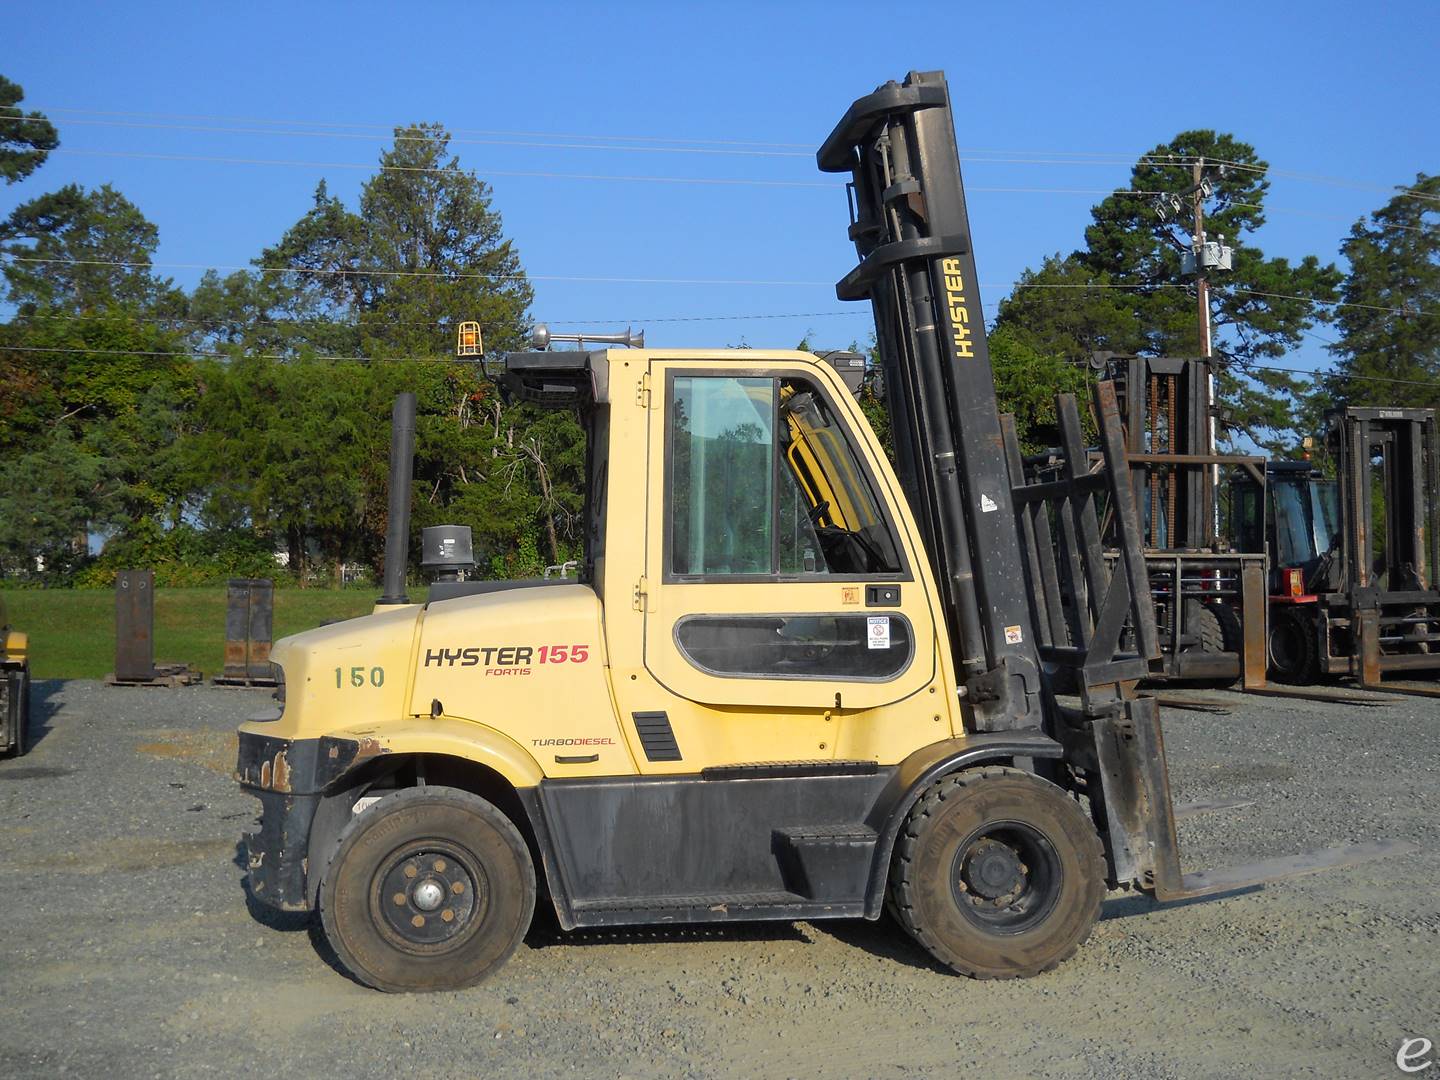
(1202, 296)
(1198, 259)
(1202, 282)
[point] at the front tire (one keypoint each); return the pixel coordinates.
(998, 874)
(431, 888)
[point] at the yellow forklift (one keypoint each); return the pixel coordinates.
(788, 681)
(14, 688)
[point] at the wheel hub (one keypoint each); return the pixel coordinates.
(992, 870)
(429, 897)
(1006, 877)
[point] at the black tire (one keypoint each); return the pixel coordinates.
(1204, 622)
(431, 888)
(960, 841)
(22, 727)
(1294, 655)
(16, 696)
(1232, 630)
(1217, 628)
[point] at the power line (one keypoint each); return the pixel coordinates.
(1429, 384)
(383, 128)
(484, 171)
(397, 136)
(447, 324)
(1404, 312)
(713, 181)
(460, 276)
(454, 170)
(678, 145)
(440, 274)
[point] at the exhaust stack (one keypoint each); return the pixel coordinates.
(402, 470)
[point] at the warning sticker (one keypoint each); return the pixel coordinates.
(850, 594)
(987, 504)
(879, 631)
(1013, 635)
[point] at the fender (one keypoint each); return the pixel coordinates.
(344, 753)
(921, 769)
(442, 734)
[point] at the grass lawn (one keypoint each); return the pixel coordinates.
(72, 631)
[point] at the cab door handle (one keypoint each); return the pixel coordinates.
(882, 595)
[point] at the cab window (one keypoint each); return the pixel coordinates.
(764, 480)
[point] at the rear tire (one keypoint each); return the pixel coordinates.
(1204, 621)
(998, 874)
(16, 695)
(1294, 655)
(431, 888)
(1217, 630)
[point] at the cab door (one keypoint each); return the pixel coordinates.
(776, 578)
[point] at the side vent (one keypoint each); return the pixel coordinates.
(656, 736)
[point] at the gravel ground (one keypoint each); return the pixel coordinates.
(127, 948)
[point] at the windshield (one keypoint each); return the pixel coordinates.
(764, 480)
(1307, 519)
(842, 510)
(1325, 509)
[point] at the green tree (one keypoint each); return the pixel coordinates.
(424, 251)
(75, 250)
(1132, 262)
(90, 335)
(1260, 309)
(49, 497)
(1067, 310)
(1391, 331)
(26, 139)
(433, 228)
(298, 450)
(1026, 382)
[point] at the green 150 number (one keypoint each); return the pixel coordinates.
(359, 676)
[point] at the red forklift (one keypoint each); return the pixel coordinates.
(1353, 588)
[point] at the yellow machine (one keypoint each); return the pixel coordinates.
(788, 682)
(14, 688)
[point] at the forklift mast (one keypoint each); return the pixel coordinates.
(917, 268)
(1394, 452)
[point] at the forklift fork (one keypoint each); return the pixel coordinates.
(1140, 819)
(1097, 629)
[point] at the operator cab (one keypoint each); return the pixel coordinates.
(1305, 520)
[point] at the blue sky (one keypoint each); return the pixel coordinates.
(1339, 94)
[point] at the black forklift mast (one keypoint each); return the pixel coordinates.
(917, 269)
(1207, 568)
(1395, 450)
(1389, 587)
(1034, 607)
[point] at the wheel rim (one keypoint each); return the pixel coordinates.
(1006, 877)
(429, 897)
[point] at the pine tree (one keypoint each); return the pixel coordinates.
(1390, 328)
